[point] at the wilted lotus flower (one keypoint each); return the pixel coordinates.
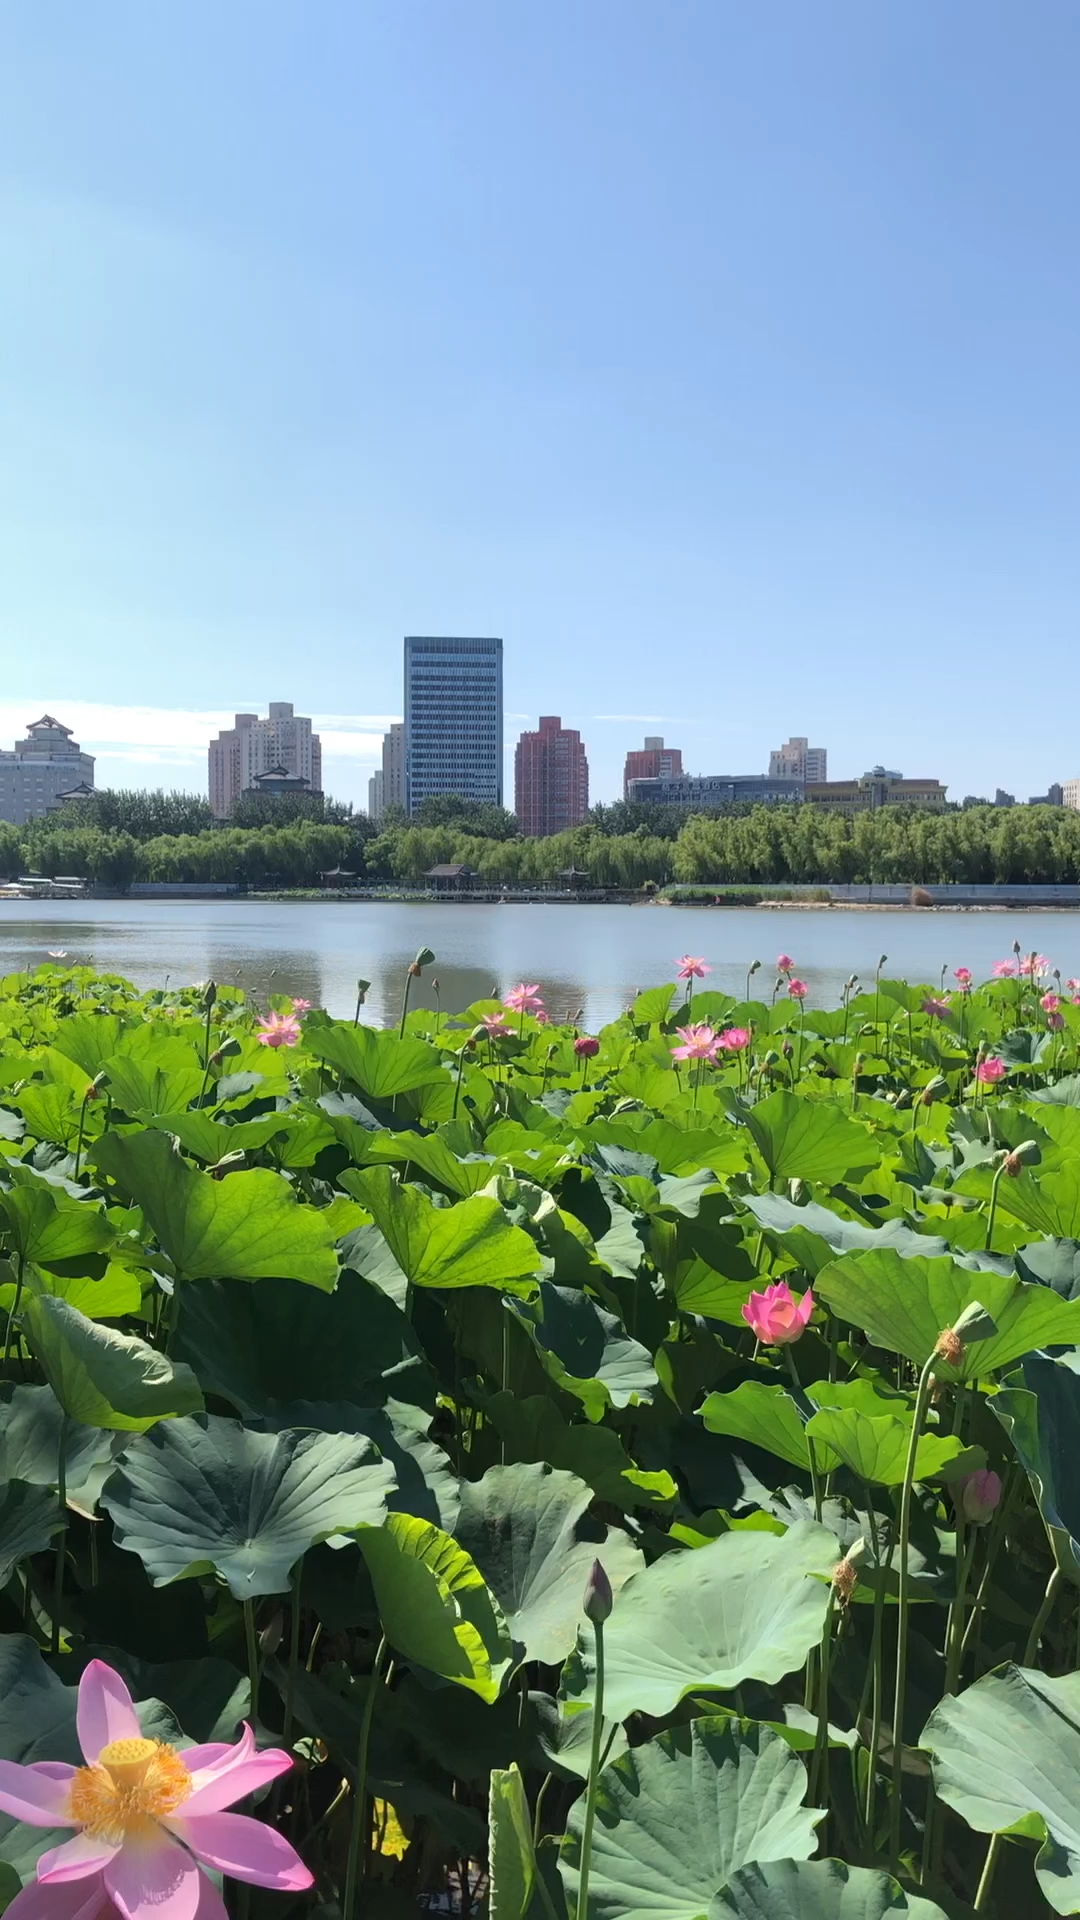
(775, 1317)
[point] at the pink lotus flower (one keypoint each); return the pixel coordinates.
(977, 1495)
(991, 1070)
(775, 1316)
(691, 969)
(495, 1026)
(965, 976)
(784, 963)
(279, 1030)
(797, 989)
(1073, 986)
(1055, 1022)
(698, 1043)
(1034, 965)
(734, 1039)
(145, 1816)
(586, 1046)
(1074, 999)
(1050, 1002)
(525, 998)
(937, 1009)
(301, 1006)
(1004, 969)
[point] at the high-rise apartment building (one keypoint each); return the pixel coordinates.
(252, 746)
(654, 761)
(551, 778)
(798, 760)
(453, 719)
(386, 788)
(37, 773)
(1070, 794)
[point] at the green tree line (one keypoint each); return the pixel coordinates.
(770, 845)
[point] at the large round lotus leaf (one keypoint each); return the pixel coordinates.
(749, 1606)
(208, 1494)
(818, 1890)
(677, 1817)
(1007, 1759)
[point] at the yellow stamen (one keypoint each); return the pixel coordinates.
(134, 1783)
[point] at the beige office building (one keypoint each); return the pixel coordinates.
(251, 747)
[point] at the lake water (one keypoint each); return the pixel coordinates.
(593, 958)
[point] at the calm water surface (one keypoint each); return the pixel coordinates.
(594, 958)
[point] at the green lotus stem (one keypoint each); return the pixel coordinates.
(878, 1681)
(1041, 1618)
(954, 1632)
(997, 1534)
(61, 1538)
(252, 1654)
(994, 1185)
(815, 1480)
(819, 1765)
(82, 1128)
(922, 1401)
(358, 1831)
(538, 1809)
(987, 1875)
(594, 1775)
(294, 1653)
(14, 1313)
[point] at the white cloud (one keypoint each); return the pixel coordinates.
(171, 733)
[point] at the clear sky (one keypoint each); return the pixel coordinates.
(722, 358)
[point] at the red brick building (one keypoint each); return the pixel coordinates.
(654, 761)
(551, 778)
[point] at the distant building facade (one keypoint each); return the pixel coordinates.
(798, 760)
(386, 788)
(1070, 794)
(453, 728)
(43, 771)
(696, 790)
(878, 788)
(551, 778)
(1053, 797)
(283, 741)
(654, 761)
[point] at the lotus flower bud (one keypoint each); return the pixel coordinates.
(977, 1496)
(586, 1046)
(788, 1049)
(881, 961)
(597, 1600)
(209, 994)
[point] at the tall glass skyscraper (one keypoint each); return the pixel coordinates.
(453, 719)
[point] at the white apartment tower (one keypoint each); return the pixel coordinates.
(798, 760)
(39, 771)
(386, 788)
(252, 746)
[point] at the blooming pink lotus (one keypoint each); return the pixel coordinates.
(775, 1316)
(733, 1039)
(1073, 986)
(300, 1006)
(692, 969)
(937, 1009)
(797, 989)
(525, 998)
(495, 1026)
(1034, 965)
(784, 963)
(586, 1046)
(698, 1043)
(991, 1070)
(279, 1030)
(1050, 1002)
(1004, 969)
(145, 1816)
(965, 977)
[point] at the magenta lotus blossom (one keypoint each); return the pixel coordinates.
(698, 1043)
(1034, 965)
(775, 1317)
(1073, 986)
(977, 1495)
(525, 998)
(586, 1046)
(146, 1817)
(784, 963)
(733, 1039)
(495, 1026)
(301, 1006)
(279, 1030)
(1050, 1002)
(797, 989)
(692, 969)
(1004, 969)
(937, 1009)
(1055, 1022)
(991, 1070)
(964, 976)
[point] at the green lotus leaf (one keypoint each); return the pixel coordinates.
(102, 1377)
(1006, 1758)
(511, 1859)
(205, 1495)
(166, 1081)
(472, 1244)
(586, 1350)
(45, 1225)
(1042, 1419)
(247, 1227)
(876, 1446)
(904, 1305)
(675, 1819)
(29, 1517)
(533, 1428)
(523, 1526)
(378, 1063)
(798, 1139)
(30, 1422)
(435, 1607)
(767, 1416)
(814, 1235)
(819, 1890)
(749, 1606)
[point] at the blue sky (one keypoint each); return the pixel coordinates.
(721, 358)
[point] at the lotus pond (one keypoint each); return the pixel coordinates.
(540, 1473)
